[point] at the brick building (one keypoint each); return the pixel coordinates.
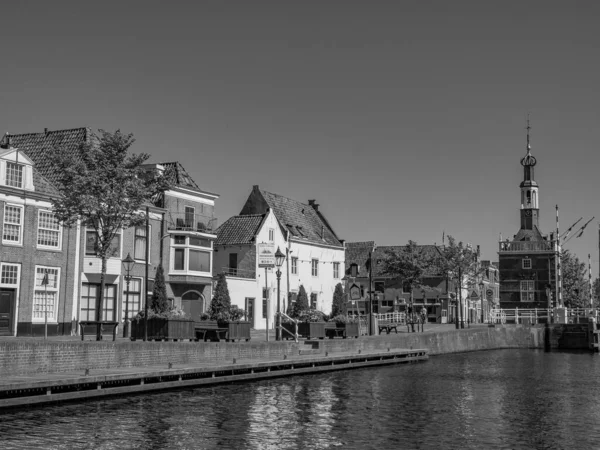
(180, 233)
(527, 262)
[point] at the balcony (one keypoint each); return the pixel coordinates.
(191, 222)
(526, 247)
(239, 273)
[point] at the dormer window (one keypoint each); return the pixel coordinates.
(14, 175)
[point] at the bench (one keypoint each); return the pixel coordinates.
(210, 331)
(331, 330)
(85, 323)
(388, 326)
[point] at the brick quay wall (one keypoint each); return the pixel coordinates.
(26, 356)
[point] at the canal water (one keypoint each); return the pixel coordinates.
(504, 399)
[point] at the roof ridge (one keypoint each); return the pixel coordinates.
(49, 131)
(283, 196)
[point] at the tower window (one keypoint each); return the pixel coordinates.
(528, 197)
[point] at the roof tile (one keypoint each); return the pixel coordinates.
(239, 229)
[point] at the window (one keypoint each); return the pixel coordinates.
(314, 269)
(526, 263)
(114, 251)
(313, 300)
(405, 287)
(189, 253)
(264, 303)
(271, 235)
(527, 290)
(189, 216)
(294, 266)
(89, 299)
(13, 224)
(9, 274)
(380, 286)
(336, 270)
(132, 297)
(139, 244)
(292, 298)
(14, 175)
(48, 230)
(45, 298)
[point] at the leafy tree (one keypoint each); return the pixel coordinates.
(105, 187)
(596, 292)
(221, 302)
(159, 302)
(409, 264)
(301, 304)
(337, 305)
(575, 282)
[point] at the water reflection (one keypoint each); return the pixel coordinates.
(501, 399)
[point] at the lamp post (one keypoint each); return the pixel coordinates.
(279, 258)
(128, 264)
(481, 287)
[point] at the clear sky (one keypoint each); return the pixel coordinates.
(403, 119)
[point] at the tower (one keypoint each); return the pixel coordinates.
(530, 209)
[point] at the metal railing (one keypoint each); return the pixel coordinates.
(533, 315)
(396, 317)
(295, 335)
(524, 246)
(239, 273)
(191, 222)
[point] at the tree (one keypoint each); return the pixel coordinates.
(460, 262)
(575, 283)
(105, 187)
(301, 304)
(337, 304)
(221, 302)
(159, 302)
(596, 292)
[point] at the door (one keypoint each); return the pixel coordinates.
(250, 310)
(233, 264)
(7, 309)
(192, 302)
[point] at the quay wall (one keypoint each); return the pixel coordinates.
(26, 356)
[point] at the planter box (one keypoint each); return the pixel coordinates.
(161, 329)
(312, 330)
(289, 327)
(238, 330)
(344, 330)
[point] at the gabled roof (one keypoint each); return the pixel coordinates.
(529, 235)
(301, 220)
(177, 175)
(37, 145)
(358, 253)
(239, 229)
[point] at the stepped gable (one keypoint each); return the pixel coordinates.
(358, 253)
(301, 220)
(239, 229)
(37, 146)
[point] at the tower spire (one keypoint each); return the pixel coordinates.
(528, 128)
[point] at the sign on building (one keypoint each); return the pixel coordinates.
(355, 292)
(266, 255)
(489, 294)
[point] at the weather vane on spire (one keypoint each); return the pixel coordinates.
(528, 128)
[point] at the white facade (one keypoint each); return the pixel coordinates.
(246, 290)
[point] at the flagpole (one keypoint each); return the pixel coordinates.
(557, 265)
(45, 284)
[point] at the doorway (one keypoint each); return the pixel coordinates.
(7, 311)
(192, 302)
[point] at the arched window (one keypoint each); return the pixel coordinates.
(528, 197)
(191, 295)
(534, 199)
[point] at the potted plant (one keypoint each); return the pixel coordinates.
(346, 325)
(164, 322)
(311, 324)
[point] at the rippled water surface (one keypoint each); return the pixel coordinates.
(494, 400)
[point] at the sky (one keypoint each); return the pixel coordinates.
(403, 119)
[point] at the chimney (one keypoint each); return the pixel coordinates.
(45, 130)
(8, 140)
(314, 205)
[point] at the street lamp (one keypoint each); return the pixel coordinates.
(481, 287)
(128, 264)
(279, 258)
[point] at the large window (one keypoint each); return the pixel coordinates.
(45, 297)
(294, 266)
(14, 175)
(91, 237)
(89, 299)
(314, 267)
(191, 254)
(132, 297)
(13, 224)
(527, 290)
(336, 270)
(49, 232)
(139, 244)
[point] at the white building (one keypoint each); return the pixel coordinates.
(314, 255)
